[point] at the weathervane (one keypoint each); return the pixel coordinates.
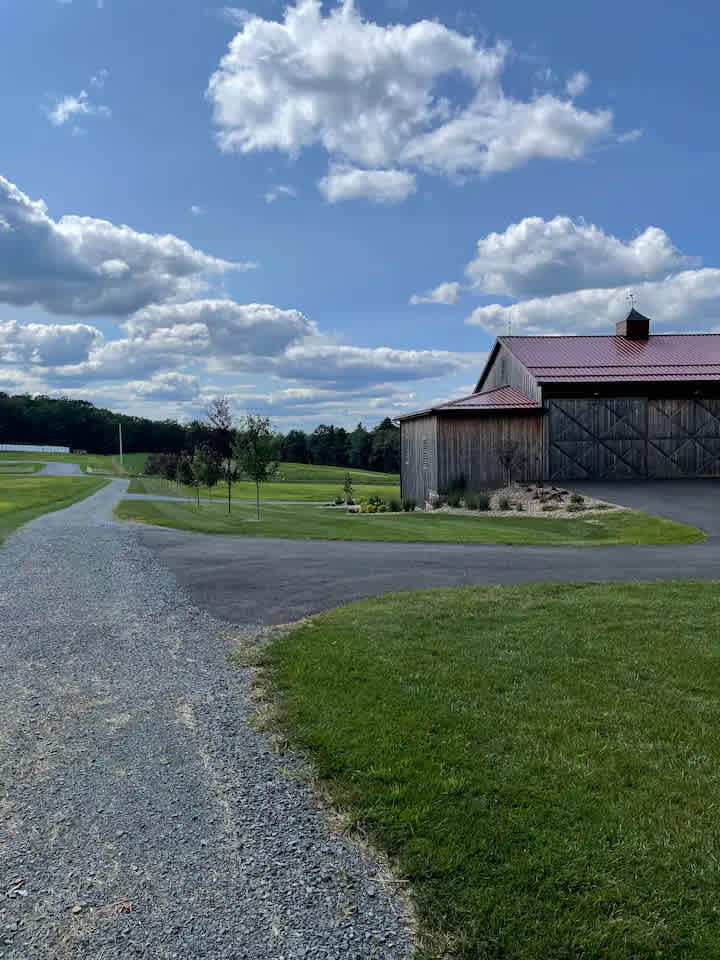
(631, 300)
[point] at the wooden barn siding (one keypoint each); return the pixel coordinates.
(633, 438)
(418, 478)
(469, 446)
(508, 371)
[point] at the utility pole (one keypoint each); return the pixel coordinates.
(120, 434)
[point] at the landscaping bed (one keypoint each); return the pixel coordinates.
(532, 499)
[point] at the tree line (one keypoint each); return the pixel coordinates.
(81, 425)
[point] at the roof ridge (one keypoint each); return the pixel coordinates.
(606, 336)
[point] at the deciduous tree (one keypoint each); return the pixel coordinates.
(254, 452)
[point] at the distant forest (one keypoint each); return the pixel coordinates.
(81, 425)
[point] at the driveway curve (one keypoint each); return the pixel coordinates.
(270, 581)
(140, 813)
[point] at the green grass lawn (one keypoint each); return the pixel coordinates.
(541, 763)
(24, 498)
(326, 523)
(10, 469)
(312, 473)
(88, 462)
(275, 490)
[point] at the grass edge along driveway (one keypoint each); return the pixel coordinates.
(327, 523)
(541, 763)
(24, 498)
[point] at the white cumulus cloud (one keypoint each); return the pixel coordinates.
(380, 186)
(82, 265)
(230, 328)
(375, 98)
(578, 83)
(46, 344)
(349, 366)
(70, 107)
(537, 258)
(689, 300)
(166, 386)
(281, 190)
(445, 293)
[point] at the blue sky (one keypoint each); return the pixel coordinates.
(291, 179)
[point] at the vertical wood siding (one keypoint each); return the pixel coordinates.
(470, 446)
(419, 457)
(508, 371)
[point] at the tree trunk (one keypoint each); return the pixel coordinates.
(257, 497)
(229, 486)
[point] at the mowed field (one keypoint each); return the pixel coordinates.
(88, 462)
(540, 763)
(19, 469)
(308, 522)
(24, 498)
(295, 481)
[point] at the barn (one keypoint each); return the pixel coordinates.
(632, 406)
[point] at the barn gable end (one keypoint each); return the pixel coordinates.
(503, 369)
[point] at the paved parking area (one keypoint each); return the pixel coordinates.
(696, 502)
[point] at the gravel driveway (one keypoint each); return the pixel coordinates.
(140, 815)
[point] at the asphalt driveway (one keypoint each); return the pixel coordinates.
(269, 581)
(696, 502)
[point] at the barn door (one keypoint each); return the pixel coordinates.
(684, 437)
(622, 438)
(598, 438)
(573, 454)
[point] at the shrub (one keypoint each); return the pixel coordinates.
(348, 488)
(548, 507)
(477, 501)
(454, 498)
(409, 504)
(577, 498)
(574, 507)
(382, 508)
(434, 501)
(339, 499)
(504, 504)
(457, 483)
(394, 505)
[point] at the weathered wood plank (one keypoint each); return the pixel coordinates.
(419, 457)
(508, 371)
(471, 447)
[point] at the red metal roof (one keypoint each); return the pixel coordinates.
(680, 356)
(500, 398)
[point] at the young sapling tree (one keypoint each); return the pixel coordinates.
(255, 452)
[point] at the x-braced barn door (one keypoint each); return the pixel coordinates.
(684, 437)
(598, 438)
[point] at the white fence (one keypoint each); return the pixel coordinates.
(30, 448)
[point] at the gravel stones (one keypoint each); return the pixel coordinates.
(140, 815)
